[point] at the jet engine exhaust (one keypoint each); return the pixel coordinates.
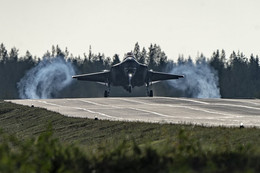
(201, 81)
(46, 79)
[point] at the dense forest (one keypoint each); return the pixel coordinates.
(235, 75)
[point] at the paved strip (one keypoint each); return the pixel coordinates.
(211, 112)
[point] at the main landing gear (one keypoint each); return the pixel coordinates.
(107, 91)
(149, 92)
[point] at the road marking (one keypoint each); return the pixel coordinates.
(204, 110)
(152, 112)
(98, 104)
(179, 106)
(49, 103)
(184, 99)
(129, 100)
(195, 101)
(94, 112)
(86, 101)
(241, 106)
(79, 108)
(220, 104)
(141, 110)
(244, 101)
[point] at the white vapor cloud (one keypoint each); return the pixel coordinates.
(46, 79)
(200, 81)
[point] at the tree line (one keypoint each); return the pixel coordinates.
(239, 76)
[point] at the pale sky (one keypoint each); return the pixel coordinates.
(114, 26)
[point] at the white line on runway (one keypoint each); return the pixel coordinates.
(93, 112)
(217, 104)
(152, 112)
(184, 99)
(86, 101)
(49, 103)
(241, 106)
(204, 110)
(244, 101)
(129, 100)
(141, 110)
(98, 104)
(180, 106)
(106, 108)
(99, 113)
(207, 111)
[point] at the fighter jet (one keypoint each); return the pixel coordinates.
(128, 74)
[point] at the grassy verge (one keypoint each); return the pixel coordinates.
(81, 145)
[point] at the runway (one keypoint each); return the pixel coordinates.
(208, 112)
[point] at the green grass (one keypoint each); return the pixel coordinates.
(24, 121)
(111, 146)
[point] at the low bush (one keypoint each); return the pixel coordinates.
(47, 154)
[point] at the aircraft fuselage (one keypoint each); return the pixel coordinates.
(128, 74)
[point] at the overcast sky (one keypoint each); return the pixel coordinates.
(114, 26)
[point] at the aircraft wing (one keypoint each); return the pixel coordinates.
(95, 77)
(158, 76)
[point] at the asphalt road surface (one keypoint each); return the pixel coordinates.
(209, 112)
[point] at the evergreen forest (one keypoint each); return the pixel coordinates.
(238, 76)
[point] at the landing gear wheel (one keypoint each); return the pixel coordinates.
(130, 89)
(151, 93)
(106, 93)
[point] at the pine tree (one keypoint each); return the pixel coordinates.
(3, 53)
(162, 61)
(137, 52)
(116, 59)
(90, 55)
(151, 58)
(143, 56)
(13, 55)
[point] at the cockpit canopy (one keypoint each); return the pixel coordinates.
(129, 55)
